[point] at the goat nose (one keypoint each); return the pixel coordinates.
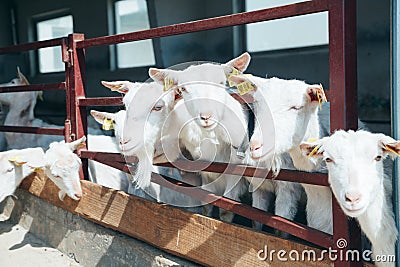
(205, 116)
(124, 141)
(78, 195)
(255, 145)
(353, 198)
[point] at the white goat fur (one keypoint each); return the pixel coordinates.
(214, 122)
(59, 163)
(62, 167)
(285, 116)
(360, 184)
(144, 167)
(13, 172)
(8, 98)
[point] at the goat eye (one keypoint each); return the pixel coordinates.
(378, 158)
(328, 160)
(157, 108)
(296, 107)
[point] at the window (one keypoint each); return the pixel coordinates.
(300, 31)
(50, 57)
(130, 16)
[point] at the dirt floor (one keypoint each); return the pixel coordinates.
(18, 247)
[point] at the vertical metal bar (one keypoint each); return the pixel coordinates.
(395, 100)
(343, 83)
(76, 89)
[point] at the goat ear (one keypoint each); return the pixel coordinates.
(161, 77)
(21, 77)
(311, 149)
(240, 63)
(316, 93)
(100, 116)
(118, 86)
(389, 145)
(75, 144)
(106, 119)
(157, 75)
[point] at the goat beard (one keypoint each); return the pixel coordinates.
(142, 177)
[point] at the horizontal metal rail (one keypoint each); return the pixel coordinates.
(100, 101)
(33, 130)
(297, 9)
(296, 229)
(34, 87)
(33, 45)
(221, 167)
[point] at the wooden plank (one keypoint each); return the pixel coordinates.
(195, 237)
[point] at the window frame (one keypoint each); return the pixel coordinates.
(35, 58)
(112, 29)
(241, 33)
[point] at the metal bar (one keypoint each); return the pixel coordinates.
(219, 167)
(32, 46)
(105, 156)
(75, 75)
(32, 130)
(343, 80)
(293, 228)
(100, 101)
(33, 87)
(211, 23)
(250, 171)
(117, 100)
(395, 100)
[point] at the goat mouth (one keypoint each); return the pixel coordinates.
(354, 212)
(209, 126)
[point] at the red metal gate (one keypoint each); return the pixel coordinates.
(343, 98)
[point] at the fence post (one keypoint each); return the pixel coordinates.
(75, 80)
(343, 83)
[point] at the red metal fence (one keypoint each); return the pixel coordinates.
(343, 99)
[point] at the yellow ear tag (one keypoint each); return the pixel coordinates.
(245, 87)
(311, 140)
(108, 124)
(15, 160)
(391, 150)
(313, 152)
(234, 72)
(168, 83)
(321, 97)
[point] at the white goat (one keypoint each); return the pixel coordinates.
(100, 173)
(214, 122)
(286, 114)
(62, 167)
(13, 168)
(7, 98)
(59, 163)
(361, 186)
(150, 107)
(161, 194)
(165, 103)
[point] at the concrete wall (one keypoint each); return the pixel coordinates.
(85, 242)
(309, 64)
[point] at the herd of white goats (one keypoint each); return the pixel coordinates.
(191, 110)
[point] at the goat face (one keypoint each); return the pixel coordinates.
(62, 167)
(283, 110)
(146, 112)
(355, 165)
